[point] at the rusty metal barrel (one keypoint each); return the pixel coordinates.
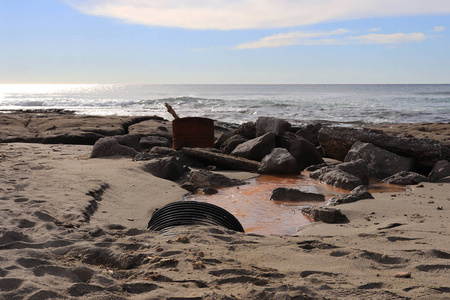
(192, 132)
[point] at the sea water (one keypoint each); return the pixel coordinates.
(345, 104)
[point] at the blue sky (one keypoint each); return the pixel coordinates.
(217, 41)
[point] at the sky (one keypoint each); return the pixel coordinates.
(225, 41)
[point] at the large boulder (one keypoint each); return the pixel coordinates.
(231, 143)
(325, 214)
(357, 168)
(405, 178)
(287, 194)
(257, 148)
(169, 168)
(129, 140)
(148, 142)
(305, 153)
(279, 161)
(310, 132)
(440, 170)
(247, 130)
(359, 193)
(109, 146)
(380, 163)
(336, 177)
(337, 141)
(273, 125)
(221, 139)
(204, 178)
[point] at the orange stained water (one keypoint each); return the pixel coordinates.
(252, 206)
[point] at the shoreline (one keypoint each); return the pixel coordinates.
(75, 227)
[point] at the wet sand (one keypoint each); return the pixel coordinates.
(73, 227)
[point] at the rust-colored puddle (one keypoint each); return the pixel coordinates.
(252, 206)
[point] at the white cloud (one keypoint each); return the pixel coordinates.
(322, 38)
(247, 14)
(395, 38)
(439, 28)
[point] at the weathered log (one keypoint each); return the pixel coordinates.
(222, 160)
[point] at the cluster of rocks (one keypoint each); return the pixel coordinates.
(274, 146)
(267, 146)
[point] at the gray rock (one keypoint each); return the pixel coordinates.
(304, 153)
(129, 140)
(221, 139)
(440, 170)
(189, 186)
(336, 177)
(148, 142)
(109, 146)
(169, 168)
(232, 142)
(268, 124)
(325, 214)
(357, 168)
(405, 178)
(256, 149)
(310, 133)
(380, 163)
(337, 141)
(247, 130)
(279, 161)
(287, 194)
(358, 193)
(204, 178)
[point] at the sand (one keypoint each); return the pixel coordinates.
(75, 228)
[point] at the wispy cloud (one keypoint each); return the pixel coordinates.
(247, 14)
(342, 37)
(439, 28)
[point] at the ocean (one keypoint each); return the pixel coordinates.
(347, 104)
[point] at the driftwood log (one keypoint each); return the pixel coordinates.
(222, 160)
(171, 110)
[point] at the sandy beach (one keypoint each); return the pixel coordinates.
(74, 227)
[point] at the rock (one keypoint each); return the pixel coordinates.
(357, 168)
(129, 140)
(304, 153)
(231, 143)
(405, 178)
(358, 193)
(109, 146)
(279, 161)
(148, 142)
(14, 129)
(146, 156)
(325, 214)
(310, 133)
(247, 130)
(337, 141)
(287, 194)
(210, 191)
(163, 150)
(224, 161)
(153, 127)
(221, 139)
(265, 125)
(167, 168)
(380, 163)
(336, 177)
(256, 149)
(189, 186)
(440, 170)
(204, 178)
